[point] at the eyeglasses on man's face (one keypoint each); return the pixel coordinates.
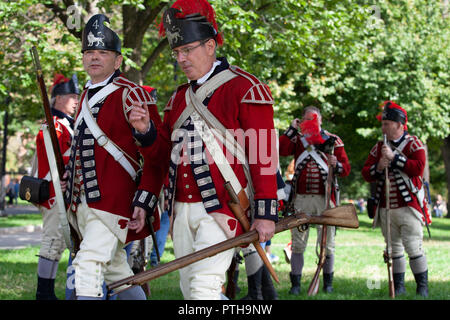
(186, 51)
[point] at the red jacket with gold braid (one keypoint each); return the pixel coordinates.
(108, 186)
(311, 177)
(64, 134)
(411, 162)
(243, 103)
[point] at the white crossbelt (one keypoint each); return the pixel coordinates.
(64, 224)
(199, 113)
(310, 150)
(420, 193)
(99, 135)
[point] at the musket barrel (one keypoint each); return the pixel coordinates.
(184, 261)
(47, 111)
(342, 216)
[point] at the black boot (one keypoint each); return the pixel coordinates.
(422, 283)
(45, 289)
(267, 288)
(254, 286)
(295, 282)
(235, 280)
(399, 283)
(328, 282)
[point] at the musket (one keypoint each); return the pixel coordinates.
(314, 285)
(239, 213)
(342, 216)
(388, 252)
(70, 236)
(48, 113)
(230, 291)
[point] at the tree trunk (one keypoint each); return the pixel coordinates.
(135, 24)
(3, 164)
(445, 149)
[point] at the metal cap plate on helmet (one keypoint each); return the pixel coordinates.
(97, 36)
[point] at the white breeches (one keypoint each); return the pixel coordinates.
(101, 256)
(194, 229)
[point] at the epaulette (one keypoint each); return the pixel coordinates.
(259, 92)
(133, 93)
(56, 123)
(416, 144)
(338, 142)
(374, 151)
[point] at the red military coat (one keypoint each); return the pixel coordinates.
(119, 193)
(243, 103)
(64, 134)
(311, 176)
(411, 161)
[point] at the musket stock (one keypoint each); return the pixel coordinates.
(342, 216)
(239, 212)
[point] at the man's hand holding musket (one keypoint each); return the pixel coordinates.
(332, 162)
(312, 193)
(218, 98)
(386, 152)
(399, 163)
(342, 216)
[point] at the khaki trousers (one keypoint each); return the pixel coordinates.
(314, 205)
(194, 229)
(101, 256)
(53, 244)
(406, 231)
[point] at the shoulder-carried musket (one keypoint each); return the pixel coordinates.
(70, 236)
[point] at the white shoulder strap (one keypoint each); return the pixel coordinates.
(64, 224)
(99, 135)
(214, 149)
(310, 150)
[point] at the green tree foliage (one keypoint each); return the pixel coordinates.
(341, 55)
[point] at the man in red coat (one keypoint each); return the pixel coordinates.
(108, 193)
(226, 99)
(64, 100)
(309, 183)
(405, 157)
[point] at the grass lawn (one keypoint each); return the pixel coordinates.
(20, 220)
(360, 272)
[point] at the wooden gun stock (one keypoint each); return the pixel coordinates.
(239, 212)
(342, 216)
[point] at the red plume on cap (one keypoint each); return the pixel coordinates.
(392, 105)
(148, 88)
(202, 7)
(57, 79)
(311, 130)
